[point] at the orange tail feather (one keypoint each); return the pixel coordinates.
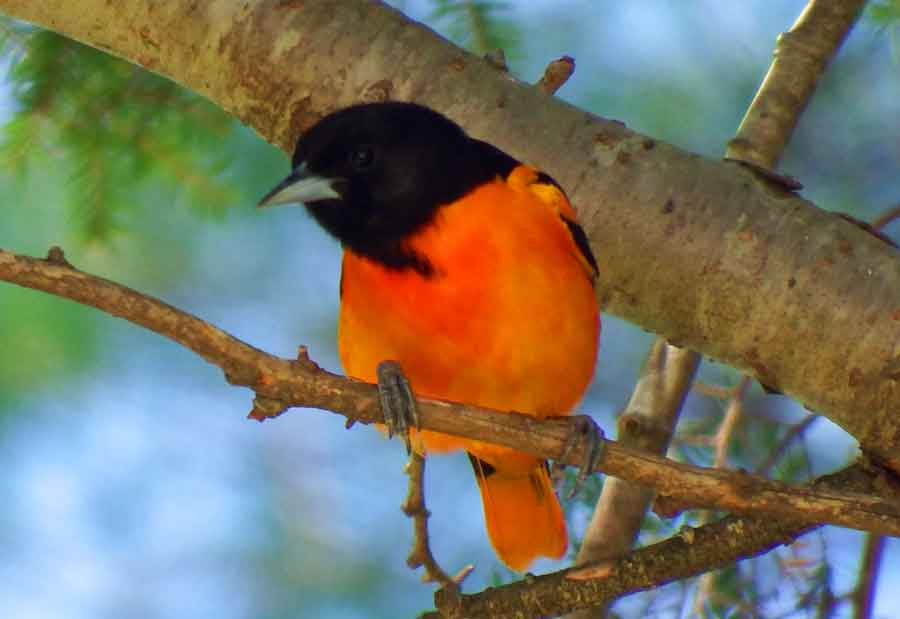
(523, 516)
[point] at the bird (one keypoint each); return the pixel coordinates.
(465, 273)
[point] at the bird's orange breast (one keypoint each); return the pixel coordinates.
(507, 319)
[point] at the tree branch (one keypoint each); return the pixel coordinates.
(556, 74)
(886, 217)
(282, 383)
(712, 256)
(721, 442)
(864, 595)
(792, 434)
(647, 423)
(414, 508)
(692, 552)
(668, 372)
(801, 55)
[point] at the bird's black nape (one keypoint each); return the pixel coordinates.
(394, 165)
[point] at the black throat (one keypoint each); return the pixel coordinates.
(384, 237)
(417, 162)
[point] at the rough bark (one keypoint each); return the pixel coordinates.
(690, 553)
(857, 492)
(283, 383)
(647, 423)
(711, 255)
(801, 55)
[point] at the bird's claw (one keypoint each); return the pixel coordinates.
(584, 427)
(397, 401)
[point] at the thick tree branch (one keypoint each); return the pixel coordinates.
(282, 383)
(714, 257)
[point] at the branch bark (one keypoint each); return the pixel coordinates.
(864, 596)
(281, 383)
(801, 55)
(414, 508)
(647, 423)
(692, 552)
(668, 372)
(710, 255)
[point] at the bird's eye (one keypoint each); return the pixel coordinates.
(362, 157)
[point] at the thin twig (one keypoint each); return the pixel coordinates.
(864, 596)
(733, 412)
(886, 217)
(414, 508)
(497, 58)
(717, 392)
(556, 74)
(477, 27)
(721, 442)
(793, 433)
(827, 599)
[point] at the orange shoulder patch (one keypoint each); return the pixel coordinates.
(549, 193)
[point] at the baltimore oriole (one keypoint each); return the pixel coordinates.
(467, 268)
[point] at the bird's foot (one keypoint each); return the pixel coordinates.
(398, 404)
(584, 428)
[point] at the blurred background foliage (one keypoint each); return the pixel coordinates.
(135, 487)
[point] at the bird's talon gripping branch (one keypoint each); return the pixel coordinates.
(397, 401)
(584, 428)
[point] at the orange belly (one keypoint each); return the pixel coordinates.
(508, 320)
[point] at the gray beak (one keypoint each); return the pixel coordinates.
(301, 186)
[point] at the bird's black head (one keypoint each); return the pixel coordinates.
(374, 174)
